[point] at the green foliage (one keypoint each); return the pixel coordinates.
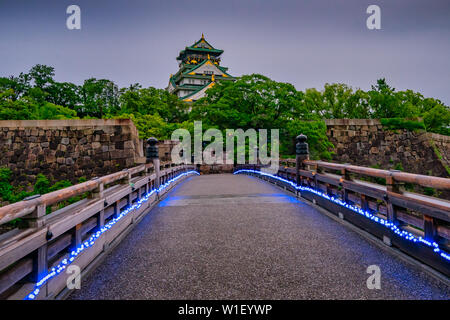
(7, 192)
(148, 125)
(439, 155)
(151, 101)
(5, 186)
(400, 123)
(60, 185)
(99, 97)
(27, 108)
(429, 191)
(42, 75)
(253, 101)
(41, 185)
(319, 146)
(437, 119)
(82, 179)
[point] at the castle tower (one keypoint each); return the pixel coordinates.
(199, 69)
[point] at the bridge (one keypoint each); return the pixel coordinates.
(162, 231)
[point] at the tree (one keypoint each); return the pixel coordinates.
(20, 85)
(314, 104)
(335, 98)
(383, 101)
(319, 146)
(42, 75)
(65, 94)
(148, 125)
(253, 101)
(438, 119)
(28, 108)
(357, 106)
(99, 97)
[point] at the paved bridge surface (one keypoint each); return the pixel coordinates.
(236, 237)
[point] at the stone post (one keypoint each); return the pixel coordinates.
(152, 154)
(301, 154)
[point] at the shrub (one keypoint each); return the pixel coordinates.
(400, 123)
(316, 131)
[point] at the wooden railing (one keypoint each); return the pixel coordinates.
(424, 216)
(46, 238)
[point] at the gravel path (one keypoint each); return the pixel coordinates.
(236, 237)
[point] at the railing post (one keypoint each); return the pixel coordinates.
(301, 154)
(345, 176)
(98, 192)
(152, 154)
(116, 209)
(36, 218)
(430, 228)
(364, 202)
(127, 180)
(391, 186)
(40, 264)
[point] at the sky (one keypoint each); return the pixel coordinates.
(304, 42)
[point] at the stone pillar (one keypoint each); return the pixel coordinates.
(302, 153)
(152, 154)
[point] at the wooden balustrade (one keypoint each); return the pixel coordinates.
(27, 254)
(424, 216)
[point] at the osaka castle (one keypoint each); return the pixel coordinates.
(199, 69)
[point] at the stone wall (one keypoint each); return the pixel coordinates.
(67, 149)
(165, 149)
(442, 145)
(367, 143)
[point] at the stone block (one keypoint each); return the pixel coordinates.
(128, 145)
(96, 145)
(83, 140)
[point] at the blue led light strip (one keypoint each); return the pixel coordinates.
(402, 233)
(89, 242)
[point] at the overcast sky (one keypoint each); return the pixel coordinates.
(304, 42)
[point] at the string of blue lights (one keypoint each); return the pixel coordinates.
(402, 233)
(90, 242)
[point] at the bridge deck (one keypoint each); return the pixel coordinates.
(235, 237)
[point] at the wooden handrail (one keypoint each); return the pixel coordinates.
(425, 181)
(26, 207)
(31, 252)
(422, 180)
